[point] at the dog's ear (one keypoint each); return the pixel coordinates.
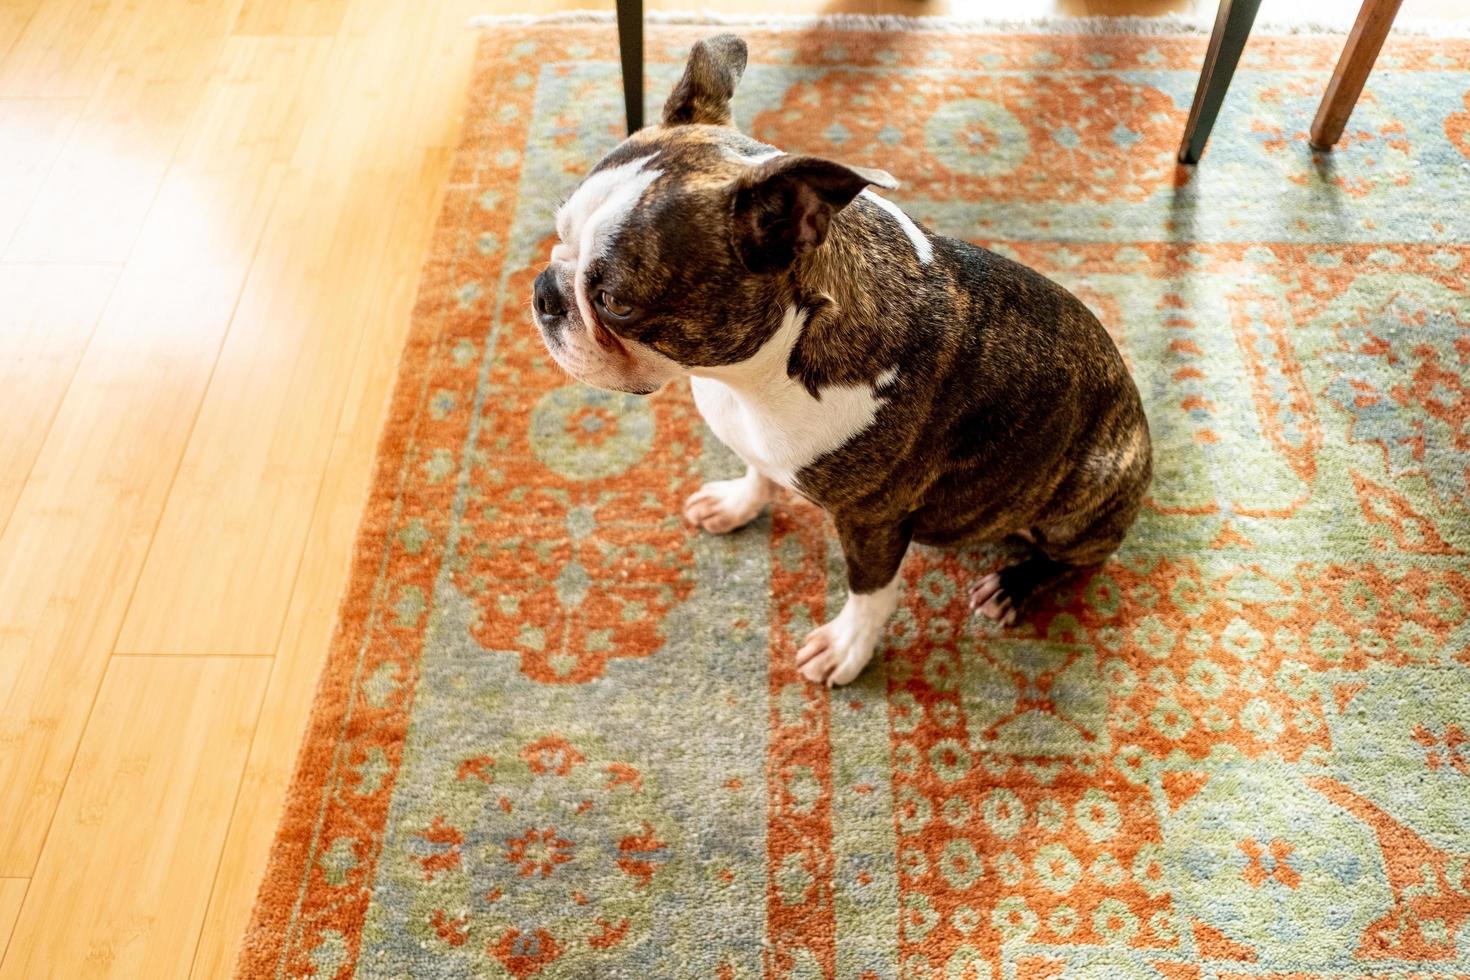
(704, 91)
(782, 207)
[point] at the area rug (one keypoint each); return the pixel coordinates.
(561, 735)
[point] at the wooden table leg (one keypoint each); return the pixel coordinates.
(630, 49)
(1232, 26)
(1375, 17)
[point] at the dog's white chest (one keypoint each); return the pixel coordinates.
(770, 419)
(788, 429)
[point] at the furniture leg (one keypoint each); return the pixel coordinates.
(1375, 18)
(630, 50)
(1232, 26)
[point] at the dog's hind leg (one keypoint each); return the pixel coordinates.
(1059, 549)
(1101, 514)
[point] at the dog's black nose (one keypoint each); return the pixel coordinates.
(548, 297)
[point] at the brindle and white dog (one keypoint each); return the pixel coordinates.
(916, 387)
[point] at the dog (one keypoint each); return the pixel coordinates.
(916, 387)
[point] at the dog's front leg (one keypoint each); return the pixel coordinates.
(837, 652)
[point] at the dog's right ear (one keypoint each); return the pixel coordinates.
(704, 91)
(781, 208)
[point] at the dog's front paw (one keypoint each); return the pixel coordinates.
(727, 505)
(834, 654)
(837, 652)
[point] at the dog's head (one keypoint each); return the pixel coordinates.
(668, 248)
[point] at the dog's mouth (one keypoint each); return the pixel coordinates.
(608, 340)
(616, 349)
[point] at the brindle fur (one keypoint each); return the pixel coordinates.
(1011, 411)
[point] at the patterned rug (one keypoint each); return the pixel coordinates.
(561, 735)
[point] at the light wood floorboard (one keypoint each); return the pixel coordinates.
(121, 890)
(12, 893)
(47, 315)
(33, 133)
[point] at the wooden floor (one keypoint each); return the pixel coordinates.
(212, 214)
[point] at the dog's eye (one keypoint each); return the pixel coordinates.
(613, 307)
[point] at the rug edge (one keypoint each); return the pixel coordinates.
(1166, 24)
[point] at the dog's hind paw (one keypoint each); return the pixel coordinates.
(1001, 594)
(989, 598)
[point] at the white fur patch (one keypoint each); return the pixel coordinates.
(769, 419)
(614, 183)
(588, 221)
(754, 159)
(725, 505)
(923, 248)
(836, 652)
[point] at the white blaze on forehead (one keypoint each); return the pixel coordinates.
(923, 248)
(594, 213)
(603, 200)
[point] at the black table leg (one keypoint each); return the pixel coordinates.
(1232, 27)
(630, 48)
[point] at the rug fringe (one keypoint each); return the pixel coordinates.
(1162, 25)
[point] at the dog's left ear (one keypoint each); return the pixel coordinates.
(704, 92)
(782, 207)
